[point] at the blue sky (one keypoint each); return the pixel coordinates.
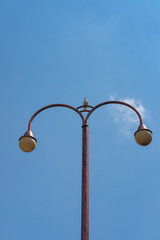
(60, 52)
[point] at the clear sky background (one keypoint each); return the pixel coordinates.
(60, 52)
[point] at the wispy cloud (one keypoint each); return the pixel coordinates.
(125, 116)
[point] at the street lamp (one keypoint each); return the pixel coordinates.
(27, 143)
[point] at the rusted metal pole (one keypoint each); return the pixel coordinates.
(85, 183)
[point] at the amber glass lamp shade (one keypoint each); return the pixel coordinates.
(27, 142)
(143, 136)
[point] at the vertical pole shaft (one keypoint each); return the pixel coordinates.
(85, 183)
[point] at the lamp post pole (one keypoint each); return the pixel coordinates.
(27, 143)
(85, 183)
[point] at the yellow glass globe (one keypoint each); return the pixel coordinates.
(143, 137)
(27, 143)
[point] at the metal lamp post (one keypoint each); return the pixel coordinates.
(27, 143)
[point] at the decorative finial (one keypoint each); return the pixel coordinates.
(85, 104)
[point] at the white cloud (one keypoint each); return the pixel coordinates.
(125, 116)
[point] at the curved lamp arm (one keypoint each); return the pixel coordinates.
(50, 106)
(143, 136)
(27, 142)
(116, 102)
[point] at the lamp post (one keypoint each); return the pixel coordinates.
(27, 143)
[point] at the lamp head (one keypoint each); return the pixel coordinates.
(143, 136)
(27, 142)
